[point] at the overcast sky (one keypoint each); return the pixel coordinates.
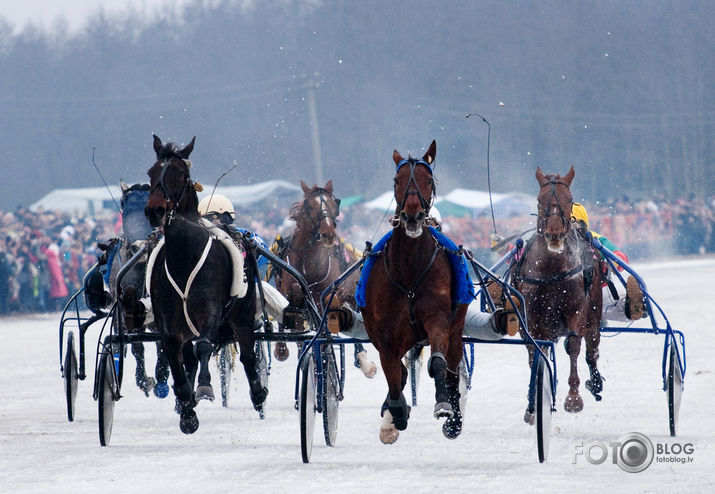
(45, 13)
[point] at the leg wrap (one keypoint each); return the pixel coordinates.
(438, 360)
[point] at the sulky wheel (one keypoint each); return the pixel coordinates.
(674, 389)
(544, 399)
(225, 367)
(414, 363)
(306, 407)
(107, 391)
(331, 397)
(262, 355)
(70, 376)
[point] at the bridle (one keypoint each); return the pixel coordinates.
(323, 213)
(168, 195)
(552, 206)
(426, 205)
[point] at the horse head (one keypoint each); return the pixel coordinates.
(171, 189)
(414, 187)
(135, 225)
(554, 207)
(320, 210)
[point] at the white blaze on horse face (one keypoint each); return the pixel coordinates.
(325, 228)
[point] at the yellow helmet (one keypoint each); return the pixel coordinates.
(578, 213)
(216, 204)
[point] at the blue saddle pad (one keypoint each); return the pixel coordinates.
(462, 289)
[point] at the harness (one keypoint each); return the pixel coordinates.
(168, 196)
(586, 270)
(323, 213)
(553, 200)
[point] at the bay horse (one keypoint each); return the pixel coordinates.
(560, 276)
(409, 300)
(317, 252)
(135, 232)
(192, 287)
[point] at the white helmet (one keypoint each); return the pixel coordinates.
(217, 204)
(434, 213)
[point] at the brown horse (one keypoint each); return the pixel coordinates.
(193, 288)
(559, 275)
(315, 250)
(409, 300)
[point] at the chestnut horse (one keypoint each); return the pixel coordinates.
(192, 287)
(409, 300)
(315, 250)
(559, 275)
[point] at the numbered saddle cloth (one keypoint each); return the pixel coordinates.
(462, 287)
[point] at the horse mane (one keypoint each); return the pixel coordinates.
(168, 150)
(296, 211)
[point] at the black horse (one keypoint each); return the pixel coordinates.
(192, 287)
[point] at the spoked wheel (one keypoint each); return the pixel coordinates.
(306, 407)
(107, 391)
(331, 397)
(414, 360)
(70, 376)
(544, 399)
(262, 355)
(225, 368)
(674, 383)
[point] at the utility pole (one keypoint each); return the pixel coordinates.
(311, 84)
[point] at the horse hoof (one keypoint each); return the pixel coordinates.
(161, 390)
(258, 398)
(189, 422)
(281, 351)
(366, 365)
(452, 428)
(146, 384)
(443, 409)
(529, 418)
(573, 403)
(388, 432)
(205, 393)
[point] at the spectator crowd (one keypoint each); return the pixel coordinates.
(45, 254)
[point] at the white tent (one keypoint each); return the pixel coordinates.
(242, 195)
(383, 202)
(87, 201)
(95, 200)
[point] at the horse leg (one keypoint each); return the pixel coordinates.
(185, 402)
(529, 415)
(395, 411)
(144, 382)
(452, 426)
(595, 384)
(437, 368)
(161, 389)
(573, 402)
(256, 390)
(363, 363)
(203, 350)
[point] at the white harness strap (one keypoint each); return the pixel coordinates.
(185, 294)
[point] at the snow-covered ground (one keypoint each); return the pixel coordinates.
(234, 451)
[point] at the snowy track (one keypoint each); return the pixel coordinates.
(234, 451)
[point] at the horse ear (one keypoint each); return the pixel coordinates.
(569, 176)
(540, 176)
(157, 145)
(329, 186)
(184, 153)
(396, 157)
(304, 186)
(431, 153)
(123, 185)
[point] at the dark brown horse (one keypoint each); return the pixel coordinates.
(192, 287)
(317, 252)
(409, 300)
(560, 277)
